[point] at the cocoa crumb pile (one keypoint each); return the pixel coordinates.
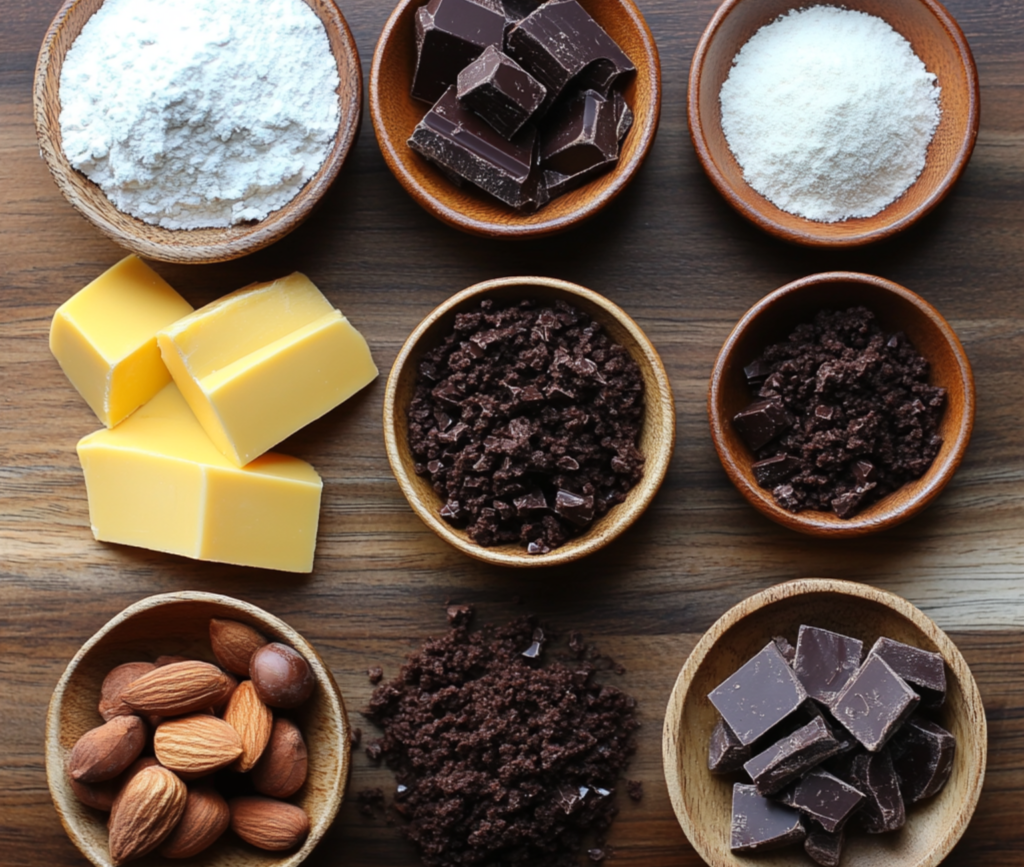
(526, 419)
(501, 759)
(864, 420)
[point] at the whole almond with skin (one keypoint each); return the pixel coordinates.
(253, 721)
(145, 813)
(99, 796)
(103, 752)
(206, 817)
(115, 683)
(178, 688)
(234, 643)
(282, 768)
(196, 745)
(268, 824)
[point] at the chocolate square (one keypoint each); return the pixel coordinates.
(825, 661)
(759, 824)
(500, 91)
(920, 668)
(874, 703)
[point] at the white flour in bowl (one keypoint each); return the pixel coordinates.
(829, 113)
(195, 113)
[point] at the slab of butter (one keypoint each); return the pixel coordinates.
(263, 362)
(156, 481)
(104, 338)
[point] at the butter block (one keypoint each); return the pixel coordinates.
(263, 362)
(104, 338)
(157, 481)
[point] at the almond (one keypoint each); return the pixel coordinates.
(178, 688)
(99, 796)
(103, 752)
(268, 824)
(234, 644)
(281, 770)
(146, 811)
(140, 764)
(206, 817)
(253, 721)
(114, 684)
(196, 745)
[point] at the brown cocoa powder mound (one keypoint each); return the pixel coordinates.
(503, 760)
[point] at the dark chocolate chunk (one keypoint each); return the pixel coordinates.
(864, 472)
(582, 135)
(759, 824)
(500, 91)
(725, 752)
(759, 695)
(449, 35)
(921, 668)
(823, 798)
(757, 372)
(874, 703)
(791, 757)
(882, 809)
(825, 661)
(574, 508)
(824, 848)
(771, 471)
(785, 648)
(922, 754)
(762, 422)
(847, 505)
(457, 139)
(559, 42)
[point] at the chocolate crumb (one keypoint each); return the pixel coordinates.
(375, 674)
(371, 802)
(356, 737)
(596, 855)
(374, 751)
(459, 615)
(635, 789)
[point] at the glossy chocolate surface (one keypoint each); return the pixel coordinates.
(874, 703)
(825, 661)
(759, 824)
(500, 91)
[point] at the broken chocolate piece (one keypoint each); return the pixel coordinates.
(922, 754)
(449, 35)
(874, 703)
(771, 471)
(574, 508)
(824, 848)
(725, 752)
(917, 667)
(785, 648)
(759, 824)
(824, 798)
(846, 505)
(759, 695)
(762, 422)
(825, 661)
(500, 91)
(882, 809)
(582, 135)
(757, 372)
(791, 757)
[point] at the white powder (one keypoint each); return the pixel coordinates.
(829, 112)
(192, 113)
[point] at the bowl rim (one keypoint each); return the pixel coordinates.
(661, 407)
(832, 586)
(52, 746)
(170, 246)
(810, 235)
(623, 172)
(935, 478)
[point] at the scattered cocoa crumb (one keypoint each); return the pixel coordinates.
(374, 751)
(356, 737)
(375, 674)
(459, 615)
(371, 802)
(596, 855)
(635, 789)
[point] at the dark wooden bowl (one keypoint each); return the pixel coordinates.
(657, 436)
(395, 115)
(703, 801)
(898, 309)
(935, 37)
(189, 246)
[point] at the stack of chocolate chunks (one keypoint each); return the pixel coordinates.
(527, 98)
(825, 737)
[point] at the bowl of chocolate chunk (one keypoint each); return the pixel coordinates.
(198, 130)
(829, 716)
(528, 421)
(841, 404)
(515, 118)
(833, 124)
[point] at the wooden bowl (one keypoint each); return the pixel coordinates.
(657, 436)
(395, 115)
(703, 801)
(190, 246)
(772, 319)
(178, 624)
(935, 37)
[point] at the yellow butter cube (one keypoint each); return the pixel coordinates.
(156, 481)
(104, 338)
(265, 361)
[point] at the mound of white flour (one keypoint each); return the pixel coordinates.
(829, 113)
(193, 113)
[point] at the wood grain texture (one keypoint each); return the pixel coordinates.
(674, 254)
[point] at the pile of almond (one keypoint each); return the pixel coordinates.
(203, 720)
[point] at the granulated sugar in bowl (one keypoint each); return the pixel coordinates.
(829, 113)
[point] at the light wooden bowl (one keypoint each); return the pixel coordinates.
(657, 436)
(703, 801)
(178, 624)
(898, 309)
(395, 115)
(190, 246)
(936, 38)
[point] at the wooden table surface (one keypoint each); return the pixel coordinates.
(686, 267)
